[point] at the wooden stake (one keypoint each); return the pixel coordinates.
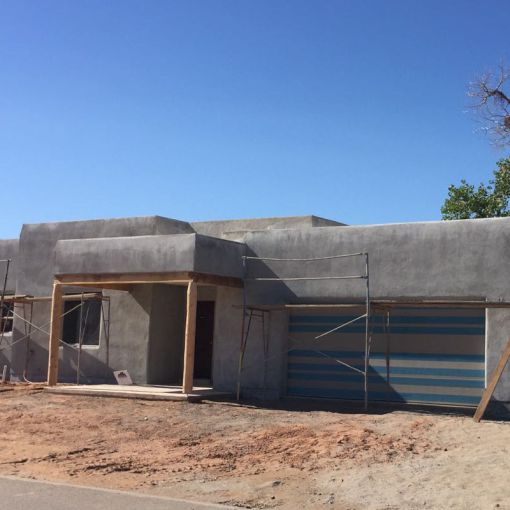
(189, 338)
(496, 375)
(55, 327)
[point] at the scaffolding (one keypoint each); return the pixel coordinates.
(249, 312)
(5, 311)
(260, 314)
(11, 307)
(8, 304)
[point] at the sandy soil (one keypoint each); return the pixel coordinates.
(252, 457)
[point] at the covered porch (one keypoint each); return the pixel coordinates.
(190, 264)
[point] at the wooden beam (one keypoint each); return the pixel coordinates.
(211, 279)
(495, 377)
(189, 338)
(55, 328)
(125, 287)
(176, 278)
(128, 287)
(129, 278)
(87, 296)
(383, 303)
(66, 297)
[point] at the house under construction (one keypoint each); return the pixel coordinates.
(273, 307)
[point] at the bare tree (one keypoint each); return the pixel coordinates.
(491, 102)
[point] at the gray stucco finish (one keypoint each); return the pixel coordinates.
(447, 260)
(8, 250)
(166, 339)
(147, 254)
(461, 260)
(225, 227)
(37, 244)
(125, 255)
(261, 377)
(34, 272)
(498, 333)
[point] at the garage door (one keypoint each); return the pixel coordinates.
(426, 355)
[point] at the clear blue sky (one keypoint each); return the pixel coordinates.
(217, 109)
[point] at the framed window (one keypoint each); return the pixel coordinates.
(6, 316)
(82, 320)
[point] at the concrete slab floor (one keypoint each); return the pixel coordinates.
(138, 392)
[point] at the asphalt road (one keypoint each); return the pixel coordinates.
(23, 494)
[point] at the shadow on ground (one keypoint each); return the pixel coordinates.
(496, 411)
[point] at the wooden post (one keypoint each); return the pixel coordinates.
(55, 327)
(496, 375)
(189, 337)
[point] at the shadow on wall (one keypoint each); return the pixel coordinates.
(92, 370)
(4, 360)
(129, 323)
(304, 291)
(67, 366)
(16, 360)
(146, 328)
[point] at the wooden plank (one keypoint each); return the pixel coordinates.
(176, 278)
(129, 285)
(105, 285)
(212, 279)
(388, 305)
(189, 338)
(110, 278)
(55, 328)
(14, 297)
(495, 377)
(384, 303)
(125, 287)
(65, 297)
(341, 305)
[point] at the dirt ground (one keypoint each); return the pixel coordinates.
(254, 457)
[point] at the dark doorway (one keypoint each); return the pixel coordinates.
(204, 340)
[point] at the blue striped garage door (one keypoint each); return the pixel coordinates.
(427, 355)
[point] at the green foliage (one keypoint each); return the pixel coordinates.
(487, 201)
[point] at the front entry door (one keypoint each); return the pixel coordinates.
(204, 340)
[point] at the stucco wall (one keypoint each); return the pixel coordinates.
(227, 328)
(226, 349)
(130, 312)
(127, 349)
(37, 244)
(129, 332)
(146, 254)
(226, 227)
(166, 338)
(450, 260)
(498, 333)
(8, 250)
(437, 260)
